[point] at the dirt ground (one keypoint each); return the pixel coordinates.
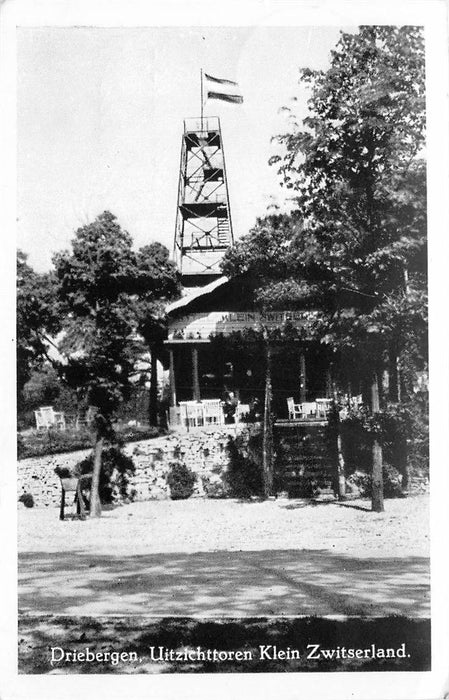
(203, 525)
(227, 575)
(228, 558)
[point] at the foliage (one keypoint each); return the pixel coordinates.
(181, 481)
(392, 482)
(45, 388)
(116, 468)
(106, 289)
(47, 442)
(355, 247)
(214, 486)
(27, 500)
(37, 318)
(38, 443)
(244, 474)
(402, 430)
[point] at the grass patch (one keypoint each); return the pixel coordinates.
(50, 442)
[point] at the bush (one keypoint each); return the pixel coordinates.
(27, 500)
(214, 487)
(116, 468)
(48, 442)
(20, 446)
(362, 482)
(244, 474)
(180, 480)
(402, 430)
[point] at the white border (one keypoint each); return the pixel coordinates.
(431, 13)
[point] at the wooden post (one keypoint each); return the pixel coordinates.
(152, 413)
(377, 502)
(172, 380)
(302, 379)
(195, 376)
(337, 451)
(267, 449)
(61, 510)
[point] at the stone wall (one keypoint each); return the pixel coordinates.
(203, 451)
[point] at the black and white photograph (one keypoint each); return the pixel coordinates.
(225, 389)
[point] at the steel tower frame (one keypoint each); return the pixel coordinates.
(203, 229)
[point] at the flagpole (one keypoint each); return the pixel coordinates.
(202, 101)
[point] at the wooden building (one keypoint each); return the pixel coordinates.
(217, 354)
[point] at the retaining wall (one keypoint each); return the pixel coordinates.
(203, 451)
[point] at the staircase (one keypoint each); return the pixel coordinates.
(304, 465)
(223, 231)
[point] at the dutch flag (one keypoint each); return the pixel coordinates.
(221, 89)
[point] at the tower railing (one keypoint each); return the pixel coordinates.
(196, 124)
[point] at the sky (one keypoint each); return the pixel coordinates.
(100, 119)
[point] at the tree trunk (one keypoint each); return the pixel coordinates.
(341, 471)
(394, 393)
(95, 503)
(152, 409)
(401, 461)
(302, 379)
(337, 450)
(267, 449)
(377, 499)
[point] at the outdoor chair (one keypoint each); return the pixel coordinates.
(212, 412)
(323, 407)
(192, 413)
(294, 409)
(74, 485)
(47, 418)
(41, 421)
(242, 410)
(308, 409)
(84, 418)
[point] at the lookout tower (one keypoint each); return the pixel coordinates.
(203, 219)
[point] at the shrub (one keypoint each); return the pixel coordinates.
(20, 446)
(116, 468)
(180, 480)
(402, 430)
(214, 487)
(362, 481)
(27, 500)
(47, 442)
(244, 474)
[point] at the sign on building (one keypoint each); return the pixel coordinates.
(202, 325)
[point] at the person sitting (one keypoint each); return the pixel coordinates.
(230, 402)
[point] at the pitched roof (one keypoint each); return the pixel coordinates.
(195, 293)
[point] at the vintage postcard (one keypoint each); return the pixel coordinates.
(231, 389)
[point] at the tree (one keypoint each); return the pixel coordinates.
(105, 288)
(358, 178)
(37, 320)
(357, 175)
(154, 261)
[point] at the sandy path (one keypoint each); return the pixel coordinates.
(204, 557)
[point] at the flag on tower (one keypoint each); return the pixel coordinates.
(221, 89)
